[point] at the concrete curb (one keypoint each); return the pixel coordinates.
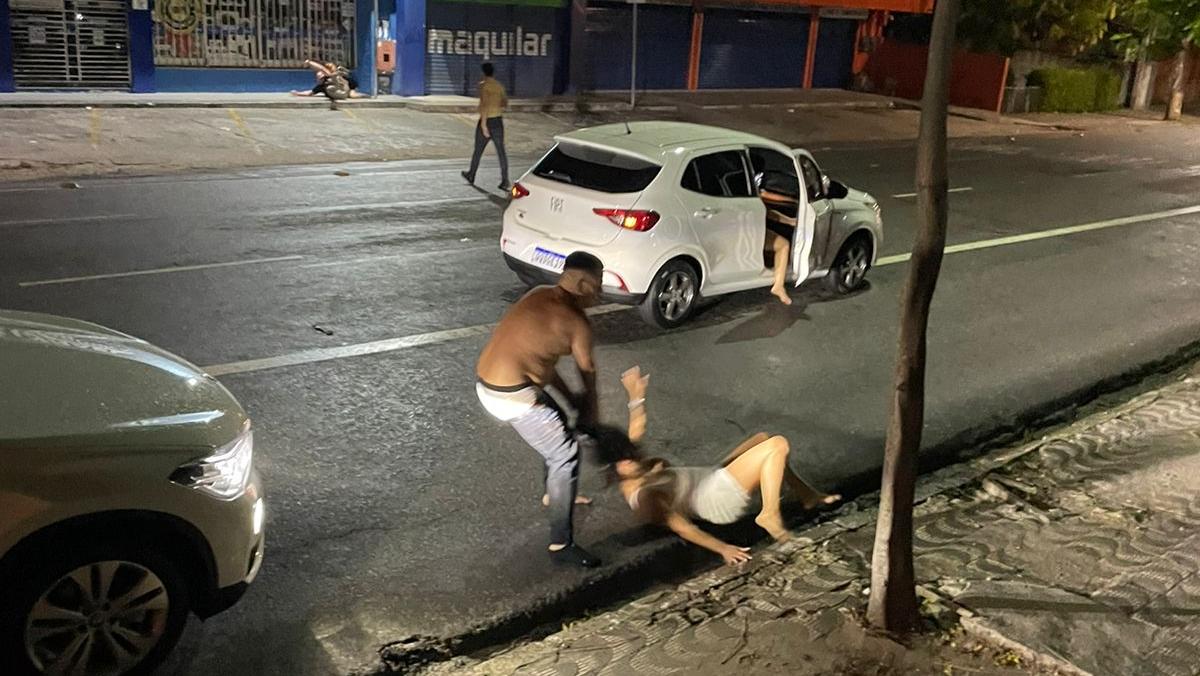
(969, 464)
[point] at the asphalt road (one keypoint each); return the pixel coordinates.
(396, 507)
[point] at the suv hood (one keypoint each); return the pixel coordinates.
(70, 383)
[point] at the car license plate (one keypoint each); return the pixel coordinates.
(548, 259)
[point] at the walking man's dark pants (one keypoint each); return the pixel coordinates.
(495, 126)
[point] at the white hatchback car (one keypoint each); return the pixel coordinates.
(673, 212)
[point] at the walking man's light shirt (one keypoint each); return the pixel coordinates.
(492, 98)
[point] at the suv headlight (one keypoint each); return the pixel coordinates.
(225, 472)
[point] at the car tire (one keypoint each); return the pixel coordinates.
(672, 295)
(849, 269)
(527, 280)
(46, 596)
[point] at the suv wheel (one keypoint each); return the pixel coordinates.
(672, 295)
(850, 267)
(103, 609)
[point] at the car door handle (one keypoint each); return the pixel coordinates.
(706, 212)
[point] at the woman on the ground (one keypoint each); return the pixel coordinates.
(673, 496)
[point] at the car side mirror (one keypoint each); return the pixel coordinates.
(758, 181)
(825, 183)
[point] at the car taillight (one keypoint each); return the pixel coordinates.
(630, 219)
(518, 191)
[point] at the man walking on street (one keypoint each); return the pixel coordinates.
(492, 100)
(519, 362)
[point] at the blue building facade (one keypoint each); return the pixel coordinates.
(539, 47)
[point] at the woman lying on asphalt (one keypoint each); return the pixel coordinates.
(673, 496)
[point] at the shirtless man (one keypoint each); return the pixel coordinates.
(516, 366)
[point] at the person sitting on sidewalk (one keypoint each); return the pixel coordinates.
(673, 496)
(334, 81)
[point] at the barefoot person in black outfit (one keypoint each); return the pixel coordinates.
(519, 363)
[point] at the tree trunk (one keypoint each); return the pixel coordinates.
(1143, 80)
(1175, 101)
(893, 603)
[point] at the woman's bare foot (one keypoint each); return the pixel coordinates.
(773, 524)
(579, 500)
(823, 500)
(780, 293)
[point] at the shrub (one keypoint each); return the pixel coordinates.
(1076, 90)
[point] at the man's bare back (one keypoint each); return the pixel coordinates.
(544, 326)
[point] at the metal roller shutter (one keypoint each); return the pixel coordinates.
(664, 39)
(524, 43)
(70, 44)
(751, 49)
(835, 53)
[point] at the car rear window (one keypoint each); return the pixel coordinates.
(596, 169)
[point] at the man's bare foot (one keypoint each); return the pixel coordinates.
(823, 500)
(773, 524)
(579, 500)
(780, 293)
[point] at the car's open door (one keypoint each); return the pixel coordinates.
(815, 210)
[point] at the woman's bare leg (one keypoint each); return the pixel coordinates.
(745, 446)
(782, 247)
(809, 496)
(763, 467)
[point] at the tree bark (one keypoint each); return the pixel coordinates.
(1175, 100)
(893, 602)
(1143, 79)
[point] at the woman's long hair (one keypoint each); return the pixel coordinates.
(656, 496)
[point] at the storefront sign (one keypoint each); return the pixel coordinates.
(141, 5)
(179, 16)
(487, 44)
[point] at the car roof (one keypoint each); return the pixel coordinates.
(653, 139)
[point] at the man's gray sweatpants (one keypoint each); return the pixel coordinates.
(545, 428)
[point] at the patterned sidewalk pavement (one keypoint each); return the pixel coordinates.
(1080, 552)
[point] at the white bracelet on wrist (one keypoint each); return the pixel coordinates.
(636, 403)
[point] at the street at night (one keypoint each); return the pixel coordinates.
(346, 314)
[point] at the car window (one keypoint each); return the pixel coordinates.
(720, 174)
(812, 179)
(596, 169)
(774, 171)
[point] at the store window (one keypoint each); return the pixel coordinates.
(253, 33)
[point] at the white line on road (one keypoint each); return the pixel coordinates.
(906, 195)
(403, 256)
(373, 347)
(1046, 234)
(392, 344)
(68, 219)
(375, 205)
(159, 271)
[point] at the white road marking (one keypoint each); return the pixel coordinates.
(374, 205)
(906, 195)
(373, 347)
(159, 271)
(1046, 234)
(69, 219)
(435, 337)
(390, 257)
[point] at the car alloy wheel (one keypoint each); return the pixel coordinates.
(850, 268)
(675, 298)
(104, 617)
(672, 295)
